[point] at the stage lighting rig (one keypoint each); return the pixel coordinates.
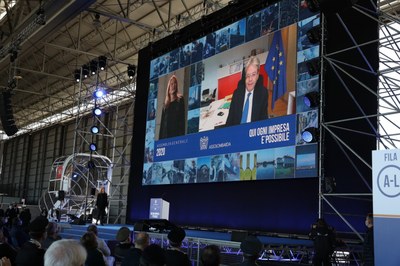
(131, 71)
(311, 99)
(77, 75)
(314, 66)
(314, 34)
(92, 147)
(310, 134)
(96, 21)
(85, 71)
(94, 129)
(93, 67)
(97, 111)
(98, 93)
(102, 62)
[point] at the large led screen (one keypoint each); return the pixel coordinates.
(229, 106)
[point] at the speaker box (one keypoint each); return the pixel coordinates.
(141, 226)
(79, 221)
(159, 225)
(6, 114)
(239, 236)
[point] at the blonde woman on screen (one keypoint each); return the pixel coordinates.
(173, 113)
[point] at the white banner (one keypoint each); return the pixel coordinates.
(386, 204)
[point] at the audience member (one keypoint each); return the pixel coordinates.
(17, 234)
(52, 234)
(94, 256)
(132, 258)
(251, 247)
(324, 242)
(3, 217)
(153, 255)
(5, 249)
(211, 256)
(25, 217)
(65, 252)
(124, 239)
(5, 261)
(101, 244)
(368, 249)
(174, 256)
(11, 213)
(32, 252)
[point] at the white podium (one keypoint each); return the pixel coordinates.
(159, 209)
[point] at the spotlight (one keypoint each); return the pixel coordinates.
(93, 147)
(314, 34)
(85, 71)
(97, 111)
(93, 67)
(99, 93)
(310, 134)
(311, 99)
(314, 66)
(77, 75)
(131, 71)
(96, 21)
(94, 129)
(102, 62)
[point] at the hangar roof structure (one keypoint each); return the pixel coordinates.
(43, 43)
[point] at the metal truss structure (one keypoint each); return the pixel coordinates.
(273, 253)
(386, 131)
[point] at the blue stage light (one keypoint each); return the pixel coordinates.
(94, 129)
(93, 147)
(98, 93)
(310, 134)
(311, 99)
(97, 111)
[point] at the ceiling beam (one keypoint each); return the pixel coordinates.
(140, 25)
(43, 73)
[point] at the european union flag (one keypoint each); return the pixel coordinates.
(275, 66)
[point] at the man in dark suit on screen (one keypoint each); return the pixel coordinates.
(250, 99)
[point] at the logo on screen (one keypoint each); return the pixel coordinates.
(389, 181)
(203, 143)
